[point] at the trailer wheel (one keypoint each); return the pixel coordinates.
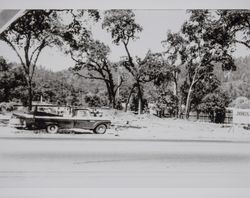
(53, 128)
(100, 129)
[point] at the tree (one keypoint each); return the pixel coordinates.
(201, 52)
(235, 24)
(215, 105)
(56, 87)
(206, 86)
(11, 80)
(176, 46)
(96, 99)
(123, 28)
(91, 58)
(37, 29)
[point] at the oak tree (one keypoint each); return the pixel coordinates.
(36, 30)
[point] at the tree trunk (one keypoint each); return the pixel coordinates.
(30, 95)
(176, 93)
(139, 99)
(110, 95)
(129, 96)
(139, 106)
(6, 96)
(188, 102)
(197, 115)
(113, 102)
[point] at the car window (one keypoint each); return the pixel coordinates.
(82, 113)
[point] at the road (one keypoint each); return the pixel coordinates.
(83, 161)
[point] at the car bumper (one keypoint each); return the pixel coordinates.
(17, 123)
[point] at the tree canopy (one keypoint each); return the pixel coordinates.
(38, 29)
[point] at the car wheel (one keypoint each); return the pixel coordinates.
(53, 128)
(100, 129)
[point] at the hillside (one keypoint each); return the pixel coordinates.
(237, 83)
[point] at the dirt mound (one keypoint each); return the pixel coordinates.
(128, 118)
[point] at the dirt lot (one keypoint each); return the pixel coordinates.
(129, 125)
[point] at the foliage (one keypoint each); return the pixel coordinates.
(201, 89)
(188, 72)
(96, 100)
(12, 81)
(123, 28)
(63, 87)
(91, 58)
(119, 105)
(199, 51)
(215, 105)
(38, 29)
(235, 24)
(167, 101)
(122, 25)
(237, 83)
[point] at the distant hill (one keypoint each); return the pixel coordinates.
(68, 79)
(63, 86)
(237, 83)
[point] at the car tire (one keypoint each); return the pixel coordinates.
(53, 128)
(100, 129)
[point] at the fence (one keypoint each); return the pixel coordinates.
(202, 117)
(205, 118)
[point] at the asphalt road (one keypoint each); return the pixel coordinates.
(98, 162)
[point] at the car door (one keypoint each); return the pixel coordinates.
(84, 123)
(83, 120)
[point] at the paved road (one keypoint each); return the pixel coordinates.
(86, 162)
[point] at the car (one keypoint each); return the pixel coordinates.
(77, 119)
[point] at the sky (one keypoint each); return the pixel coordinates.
(155, 25)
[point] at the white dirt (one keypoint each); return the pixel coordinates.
(130, 126)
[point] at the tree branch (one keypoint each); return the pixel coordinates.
(243, 43)
(26, 50)
(119, 85)
(73, 58)
(35, 61)
(37, 48)
(90, 77)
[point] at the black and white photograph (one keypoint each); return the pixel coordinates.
(117, 97)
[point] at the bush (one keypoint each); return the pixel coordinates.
(167, 103)
(119, 105)
(96, 100)
(215, 105)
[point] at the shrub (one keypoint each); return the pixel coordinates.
(215, 105)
